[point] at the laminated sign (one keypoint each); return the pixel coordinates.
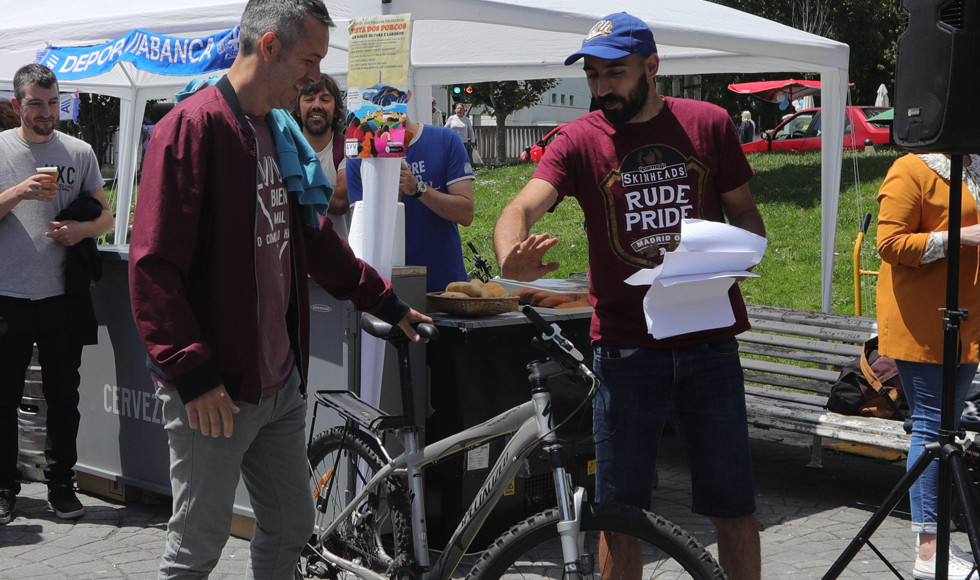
(377, 93)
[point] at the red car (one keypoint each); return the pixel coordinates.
(534, 152)
(801, 132)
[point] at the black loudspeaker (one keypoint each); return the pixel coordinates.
(937, 77)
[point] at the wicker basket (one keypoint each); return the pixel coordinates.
(436, 302)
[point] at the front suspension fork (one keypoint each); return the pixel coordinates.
(570, 502)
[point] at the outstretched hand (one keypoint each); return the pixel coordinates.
(525, 261)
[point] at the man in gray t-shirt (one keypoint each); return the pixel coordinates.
(34, 308)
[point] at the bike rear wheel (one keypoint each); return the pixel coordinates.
(379, 529)
(532, 549)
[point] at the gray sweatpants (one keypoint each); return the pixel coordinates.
(268, 449)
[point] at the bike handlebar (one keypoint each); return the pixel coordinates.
(551, 340)
(392, 333)
(563, 349)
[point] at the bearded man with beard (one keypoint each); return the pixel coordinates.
(320, 111)
(34, 304)
(638, 166)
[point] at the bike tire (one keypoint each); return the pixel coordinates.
(533, 548)
(378, 534)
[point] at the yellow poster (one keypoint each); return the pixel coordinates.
(377, 81)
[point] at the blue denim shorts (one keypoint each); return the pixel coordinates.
(701, 389)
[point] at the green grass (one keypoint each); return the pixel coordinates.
(494, 188)
(110, 236)
(786, 188)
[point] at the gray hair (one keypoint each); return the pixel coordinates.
(33, 74)
(283, 17)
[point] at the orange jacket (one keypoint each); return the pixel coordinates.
(914, 201)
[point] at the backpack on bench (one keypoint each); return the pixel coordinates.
(868, 386)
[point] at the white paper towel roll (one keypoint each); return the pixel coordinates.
(357, 233)
(380, 180)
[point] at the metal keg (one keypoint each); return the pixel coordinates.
(32, 432)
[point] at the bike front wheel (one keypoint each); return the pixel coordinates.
(342, 461)
(616, 541)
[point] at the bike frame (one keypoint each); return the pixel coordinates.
(531, 423)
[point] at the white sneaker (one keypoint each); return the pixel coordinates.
(959, 569)
(965, 555)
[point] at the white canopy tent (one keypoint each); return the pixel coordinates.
(457, 41)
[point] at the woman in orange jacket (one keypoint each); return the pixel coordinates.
(913, 225)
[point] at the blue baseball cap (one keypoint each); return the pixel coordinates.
(616, 36)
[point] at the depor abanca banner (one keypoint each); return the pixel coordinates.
(167, 55)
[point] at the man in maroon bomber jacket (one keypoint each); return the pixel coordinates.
(219, 260)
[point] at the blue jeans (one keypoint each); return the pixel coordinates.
(701, 388)
(268, 452)
(923, 384)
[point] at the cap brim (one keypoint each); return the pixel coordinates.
(604, 52)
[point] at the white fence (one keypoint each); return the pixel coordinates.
(517, 139)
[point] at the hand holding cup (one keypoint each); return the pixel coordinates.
(49, 181)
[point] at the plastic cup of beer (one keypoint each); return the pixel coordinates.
(51, 174)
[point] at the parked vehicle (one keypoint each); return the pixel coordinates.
(801, 132)
(534, 152)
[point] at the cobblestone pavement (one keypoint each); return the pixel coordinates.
(807, 516)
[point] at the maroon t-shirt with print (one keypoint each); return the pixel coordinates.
(635, 183)
(272, 262)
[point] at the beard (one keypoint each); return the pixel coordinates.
(45, 131)
(315, 130)
(632, 104)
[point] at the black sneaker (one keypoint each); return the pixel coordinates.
(62, 500)
(8, 499)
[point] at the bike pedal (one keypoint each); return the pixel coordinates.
(317, 571)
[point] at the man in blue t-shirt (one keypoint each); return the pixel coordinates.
(436, 186)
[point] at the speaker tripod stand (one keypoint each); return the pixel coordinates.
(946, 449)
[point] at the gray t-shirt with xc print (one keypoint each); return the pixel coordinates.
(31, 264)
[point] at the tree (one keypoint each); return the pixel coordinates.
(98, 119)
(870, 27)
(810, 16)
(501, 99)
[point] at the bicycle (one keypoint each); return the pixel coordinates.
(481, 268)
(370, 520)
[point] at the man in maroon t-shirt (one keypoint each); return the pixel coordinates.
(638, 166)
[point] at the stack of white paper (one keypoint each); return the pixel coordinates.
(689, 291)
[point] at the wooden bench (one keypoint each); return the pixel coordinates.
(791, 358)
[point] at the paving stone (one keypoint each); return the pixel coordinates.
(807, 517)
